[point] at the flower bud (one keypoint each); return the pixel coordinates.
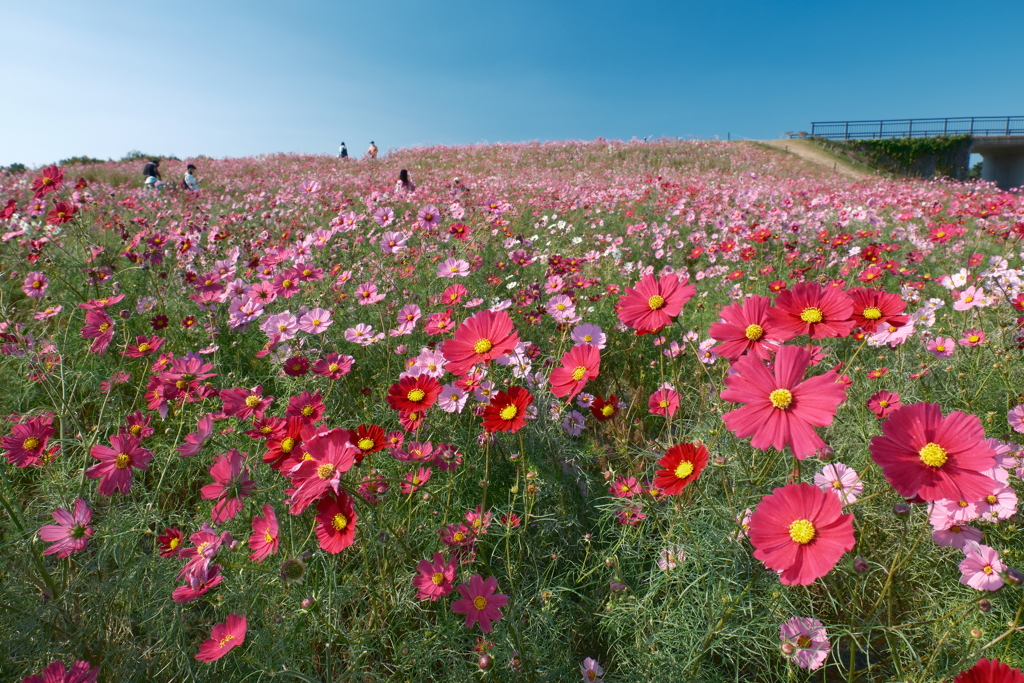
(901, 509)
(860, 565)
(307, 602)
(975, 633)
(1014, 576)
(485, 662)
(984, 605)
(824, 453)
(788, 649)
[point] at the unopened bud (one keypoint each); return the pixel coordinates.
(307, 603)
(984, 605)
(901, 509)
(860, 565)
(824, 453)
(1014, 576)
(788, 649)
(975, 633)
(485, 662)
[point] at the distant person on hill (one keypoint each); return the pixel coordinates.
(372, 152)
(343, 151)
(404, 184)
(151, 171)
(189, 182)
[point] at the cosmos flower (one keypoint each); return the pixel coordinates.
(682, 464)
(981, 567)
(813, 310)
(744, 328)
(28, 439)
(116, 462)
(507, 410)
(337, 523)
(71, 533)
(654, 303)
(480, 339)
(231, 485)
(434, 579)
(264, 539)
(480, 603)
(55, 672)
(808, 640)
(579, 365)
(840, 480)
(223, 638)
(990, 671)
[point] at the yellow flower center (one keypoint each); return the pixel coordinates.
(479, 602)
(265, 429)
(181, 384)
(333, 367)
(987, 569)
(365, 444)
(803, 642)
(608, 410)
(973, 338)
(30, 443)
(225, 639)
(883, 404)
(339, 522)
(267, 537)
(416, 395)
(991, 500)
(135, 430)
(287, 445)
(684, 469)
(508, 412)
(483, 346)
(781, 398)
(174, 543)
(286, 283)
(325, 471)
(588, 338)
(655, 302)
(837, 484)
(560, 307)
(968, 299)
(282, 327)
(754, 332)
(663, 403)
(578, 373)
(872, 313)
(933, 455)
(459, 537)
(307, 272)
(252, 401)
(316, 321)
(802, 531)
(122, 461)
(437, 579)
(811, 315)
(143, 347)
(941, 348)
(307, 410)
(104, 327)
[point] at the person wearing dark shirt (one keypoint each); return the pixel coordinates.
(343, 151)
(152, 173)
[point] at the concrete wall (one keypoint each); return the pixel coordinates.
(1002, 160)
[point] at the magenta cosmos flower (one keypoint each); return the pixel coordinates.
(71, 533)
(80, 672)
(99, 327)
(781, 408)
(480, 339)
(800, 531)
(231, 485)
(114, 469)
(745, 328)
(579, 365)
(27, 441)
(653, 303)
(813, 310)
(479, 602)
(981, 567)
(333, 365)
(337, 523)
(223, 638)
(35, 285)
(434, 579)
(990, 671)
(664, 401)
(264, 539)
(808, 640)
(924, 454)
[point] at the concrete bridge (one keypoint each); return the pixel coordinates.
(998, 139)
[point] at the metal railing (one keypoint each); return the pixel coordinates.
(974, 126)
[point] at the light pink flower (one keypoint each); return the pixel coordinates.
(453, 267)
(315, 321)
(981, 568)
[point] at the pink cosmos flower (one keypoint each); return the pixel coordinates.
(231, 485)
(27, 441)
(333, 365)
(653, 303)
(591, 671)
(956, 535)
(970, 298)
(479, 602)
(883, 403)
(286, 284)
(428, 217)
(972, 338)
(664, 401)
(367, 294)
(194, 441)
(414, 481)
(361, 334)
(981, 568)
(941, 347)
(316, 321)
(35, 285)
(562, 309)
(223, 638)
(282, 326)
(116, 461)
(264, 539)
(480, 339)
(392, 242)
(1016, 418)
(326, 457)
(573, 423)
(840, 480)
(71, 533)
(245, 403)
(452, 399)
(80, 672)
(780, 407)
(200, 577)
(589, 334)
(100, 327)
(48, 312)
(453, 267)
(383, 215)
(744, 328)
(813, 310)
(580, 364)
(809, 640)
(434, 579)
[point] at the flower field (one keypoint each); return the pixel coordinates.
(593, 411)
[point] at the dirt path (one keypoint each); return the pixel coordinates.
(814, 154)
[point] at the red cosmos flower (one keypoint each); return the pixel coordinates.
(415, 480)
(413, 394)
(194, 441)
(144, 346)
(507, 410)
(170, 542)
(683, 463)
(781, 408)
(580, 364)
(453, 295)
(664, 401)
(98, 326)
(9, 209)
(80, 672)
(296, 366)
(288, 445)
(116, 461)
(264, 539)
(231, 485)
(326, 457)
(50, 181)
(479, 602)
(368, 439)
(307, 406)
(990, 671)
(604, 410)
(61, 213)
(480, 339)
(434, 579)
(873, 308)
(801, 531)
(924, 454)
(223, 638)
(245, 403)
(137, 424)
(813, 310)
(25, 446)
(653, 304)
(745, 328)
(883, 403)
(182, 380)
(200, 577)
(337, 528)
(333, 366)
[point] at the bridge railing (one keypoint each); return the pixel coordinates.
(918, 128)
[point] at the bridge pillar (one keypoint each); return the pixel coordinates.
(1003, 160)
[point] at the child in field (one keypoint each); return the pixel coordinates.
(189, 182)
(404, 184)
(151, 172)
(372, 152)
(343, 151)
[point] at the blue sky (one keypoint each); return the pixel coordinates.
(226, 78)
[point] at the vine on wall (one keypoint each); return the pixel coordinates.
(943, 155)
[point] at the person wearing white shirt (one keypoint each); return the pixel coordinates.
(190, 181)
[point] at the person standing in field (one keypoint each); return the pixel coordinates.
(372, 152)
(189, 182)
(404, 185)
(151, 172)
(343, 151)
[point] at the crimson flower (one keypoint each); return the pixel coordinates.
(368, 439)
(873, 308)
(434, 579)
(337, 528)
(653, 303)
(604, 410)
(116, 461)
(245, 403)
(296, 366)
(683, 463)
(80, 672)
(801, 531)
(813, 310)
(745, 328)
(50, 181)
(924, 454)
(194, 440)
(169, 542)
(27, 441)
(413, 394)
(264, 539)
(326, 458)
(781, 408)
(579, 365)
(223, 638)
(231, 485)
(98, 326)
(507, 410)
(479, 602)
(200, 577)
(480, 339)
(990, 671)
(62, 213)
(308, 406)
(144, 346)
